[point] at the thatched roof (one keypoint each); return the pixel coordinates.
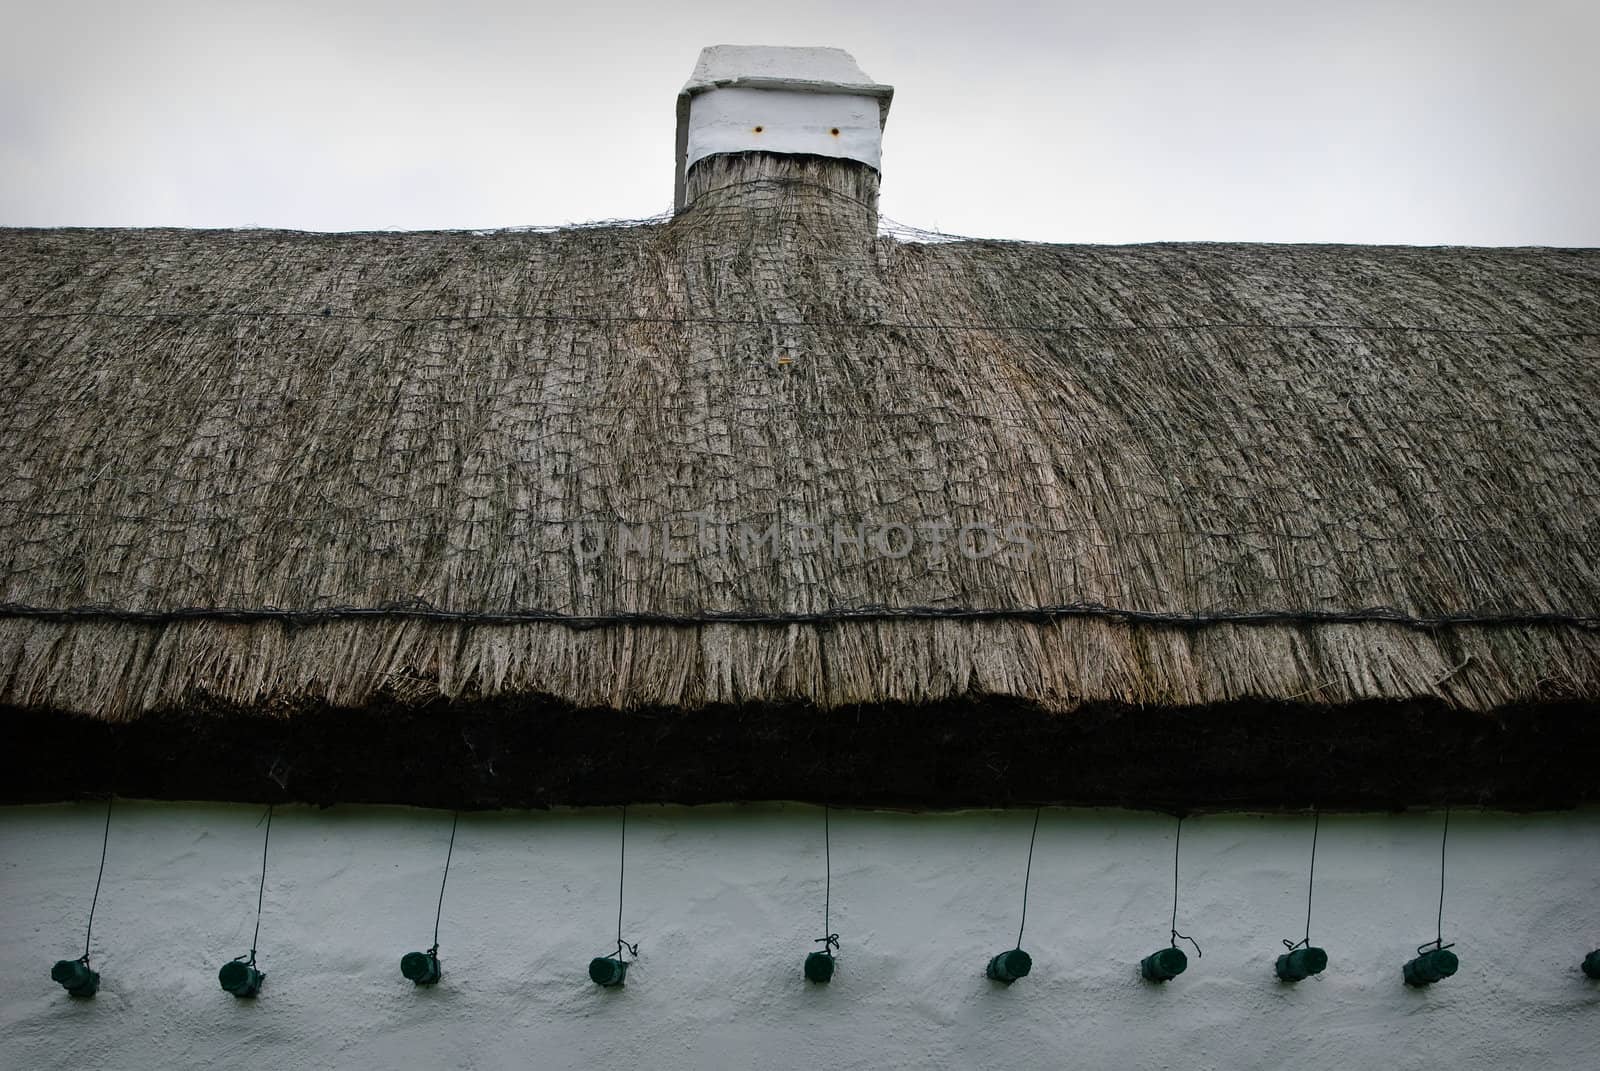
(289, 471)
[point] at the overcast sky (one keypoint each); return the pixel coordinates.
(1430, 122)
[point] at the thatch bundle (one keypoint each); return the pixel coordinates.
(267, 467)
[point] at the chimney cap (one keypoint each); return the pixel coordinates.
(773, 67)
(816, 70)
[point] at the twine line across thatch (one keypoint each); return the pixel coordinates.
(728, 321)
(423, 612)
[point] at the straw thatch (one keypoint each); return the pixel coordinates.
(271, 468)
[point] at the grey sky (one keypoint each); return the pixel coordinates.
(1440, 122)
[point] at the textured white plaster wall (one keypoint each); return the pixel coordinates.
(725, 902)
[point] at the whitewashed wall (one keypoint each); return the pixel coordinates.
(725, 902)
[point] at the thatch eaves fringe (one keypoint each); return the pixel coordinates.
(121, 670)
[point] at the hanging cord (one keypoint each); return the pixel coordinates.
(1311, 882)
(454, 821)
(829, 940)
(262, 891)
(1444, 839)
(622, 876)
(105, 841)
(1438, 935)
(1027, 875)
(1176, 936)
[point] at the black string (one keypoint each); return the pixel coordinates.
(1311, 882)
(1311, 879)
(622, 871)
(456, 818)
(105, 840)
(1443, 840)
(262, 891)
(1027, 874)
(1176, 936)
(827, 870)
(622, 876)
(1438, 934)
(1175, 845)
(829, 940)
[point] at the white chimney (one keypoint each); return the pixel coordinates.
(795, 101)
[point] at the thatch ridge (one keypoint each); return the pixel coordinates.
(243, 420)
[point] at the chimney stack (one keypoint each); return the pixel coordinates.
(772, 113)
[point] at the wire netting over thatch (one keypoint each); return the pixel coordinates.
(269, 466)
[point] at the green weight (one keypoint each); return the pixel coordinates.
(75, 977)
(1432, 966)
(1007, 967)
(422, 968)
(607, 971)
(1302, 963)
(1165, 965)
(819, 966)
(240, 978)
